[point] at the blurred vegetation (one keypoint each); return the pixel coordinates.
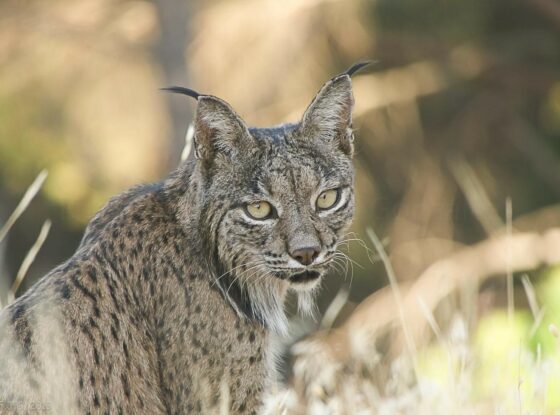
(461, 112)
(504, 357)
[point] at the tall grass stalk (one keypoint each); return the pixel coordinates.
(397, 296)
(509, 280)
(28, 260)
(30, 193)
(28, 196)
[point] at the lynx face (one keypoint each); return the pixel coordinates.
(291, 205)
(276, 201)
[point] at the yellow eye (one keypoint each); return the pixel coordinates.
(259, 210)
(327, 199)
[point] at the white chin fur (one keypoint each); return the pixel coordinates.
(306, 303)
(267, 297)
(306, 293)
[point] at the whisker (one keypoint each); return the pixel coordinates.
(350, 259)
(372, 255)
(241, 274)
(263, 276)
(338, 265)
(343, 257)
(250, 263)
(347, 266)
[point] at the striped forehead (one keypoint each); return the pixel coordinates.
(286, 168)
(290, 175)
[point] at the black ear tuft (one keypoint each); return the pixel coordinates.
(357, 67)
(184, 91)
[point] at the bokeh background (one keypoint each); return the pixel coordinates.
(459, 118)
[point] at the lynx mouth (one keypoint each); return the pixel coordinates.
(304, 276)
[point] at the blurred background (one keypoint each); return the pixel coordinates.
(457, 125)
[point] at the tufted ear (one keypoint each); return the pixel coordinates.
(329, 116)
(219, 130)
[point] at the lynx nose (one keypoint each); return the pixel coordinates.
(305, 256)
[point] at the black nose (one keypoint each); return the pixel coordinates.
(305, 256)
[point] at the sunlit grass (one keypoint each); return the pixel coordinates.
(506, 363)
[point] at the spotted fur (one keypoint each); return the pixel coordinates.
(174, 290)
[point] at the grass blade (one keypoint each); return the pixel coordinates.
(30, 193)
(29, 258)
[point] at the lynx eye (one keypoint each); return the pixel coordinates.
(259, 210)
(327, 199)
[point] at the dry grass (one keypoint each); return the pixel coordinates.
(28, 196)
(467, 369)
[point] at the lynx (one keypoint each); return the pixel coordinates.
(175, 290)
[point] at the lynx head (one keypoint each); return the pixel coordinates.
(275, 202)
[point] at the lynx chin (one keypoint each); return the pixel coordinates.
(177, 286)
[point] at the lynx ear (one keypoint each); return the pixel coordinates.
(218, 129)
(329, 116)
